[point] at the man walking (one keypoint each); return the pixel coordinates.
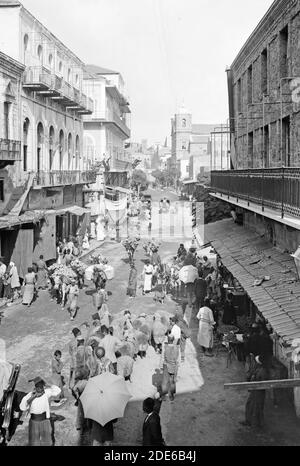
(2, 273)
(152, 435)
(170, 367)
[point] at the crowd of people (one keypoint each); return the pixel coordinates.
(104, 344)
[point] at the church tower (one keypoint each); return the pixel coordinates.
(181, 132)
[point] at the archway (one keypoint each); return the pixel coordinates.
(77, 152)
(61, 149)
(51, 147)
(25, 143)
(70, 149)
(40, 145)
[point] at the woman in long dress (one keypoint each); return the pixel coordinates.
(29, 290)
(86, 244)
(132, 281)
(206, 325)
(148, 274)
(73, 299)
(42, 275)
(14, 280)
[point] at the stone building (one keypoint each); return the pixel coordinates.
(107, 128)
(43, 110)
(191, 145)
(264, 82)
(263, 186)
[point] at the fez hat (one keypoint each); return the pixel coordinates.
(37, 380)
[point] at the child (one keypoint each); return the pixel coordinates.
(56, 367)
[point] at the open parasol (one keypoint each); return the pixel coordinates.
(188, 274)
(105, 398)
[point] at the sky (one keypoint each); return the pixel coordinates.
(169, 52)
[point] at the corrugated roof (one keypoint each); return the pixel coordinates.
(249, 257)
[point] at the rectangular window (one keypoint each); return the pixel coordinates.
(239, 96)
(250, 84)
(283, 52)
(1, 190)
(266, 147)
(286, 141)
(264, 72)
(250, 149)
(6, 120)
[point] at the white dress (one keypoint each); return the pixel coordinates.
(148, 273)
(206, 323)
(85, 244)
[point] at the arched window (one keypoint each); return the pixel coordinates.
(50, 60)
(40, 53)
(25, 143)
(40, 144)
(77, 79)
(184, 123)
(77, 152)
(26, 40)
(69, 75)
(51, 149)
(61, 149)
(60, 67)
(70, 151)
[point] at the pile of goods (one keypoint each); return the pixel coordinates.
(98, 259)
(131, 244)
(60, 270)
(78, 267)
(151, 246)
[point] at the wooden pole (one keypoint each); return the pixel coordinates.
(264, 385)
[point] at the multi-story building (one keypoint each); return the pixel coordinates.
(191, 145)
(263, 185)
(107, 128)
(46, 187)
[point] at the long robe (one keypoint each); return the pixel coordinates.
(256, 400)
(206, 322)
(42, 274)
(132, 282)
(148, 274)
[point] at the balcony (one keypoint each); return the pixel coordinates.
(116, 178)
(119, 123)
(10, 152)
(275, 188)
(38, 78)
(62, 178)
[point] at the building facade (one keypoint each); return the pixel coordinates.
(191, 144)
(46, 115)
(264, 82)
(107, 128)
(263, 185)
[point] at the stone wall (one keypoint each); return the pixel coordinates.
(269, 37)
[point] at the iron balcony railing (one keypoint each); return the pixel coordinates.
(277, 188)
(116, 178)
(37, 77)
(10, 150)
(63, 177)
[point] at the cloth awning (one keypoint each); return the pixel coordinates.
(75, 210)
(249, 257)
(190, 182)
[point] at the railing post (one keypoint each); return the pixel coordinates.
(282, 193)
(248, 187)
(262, 190)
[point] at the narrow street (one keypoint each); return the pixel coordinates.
(203, 412)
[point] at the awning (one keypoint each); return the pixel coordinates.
(249, 257)
(190, 182)
(9, 221)
(75, 210)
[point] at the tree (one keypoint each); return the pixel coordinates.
(160, 176)
(139, 180)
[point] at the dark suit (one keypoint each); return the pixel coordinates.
(152, 435)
